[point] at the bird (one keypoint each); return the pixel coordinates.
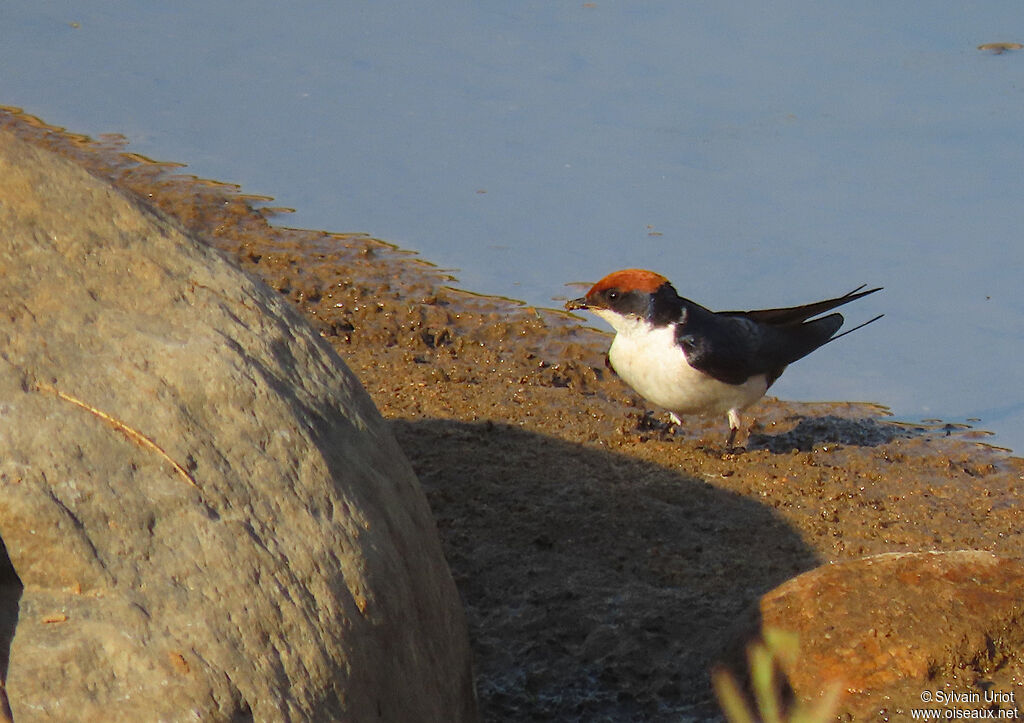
(690, 360)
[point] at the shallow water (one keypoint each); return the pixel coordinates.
(756, 158)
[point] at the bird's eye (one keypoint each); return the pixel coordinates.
(613, 295)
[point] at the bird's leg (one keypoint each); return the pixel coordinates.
(734, 428)
(675, 420)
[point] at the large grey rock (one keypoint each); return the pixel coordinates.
(207, 515)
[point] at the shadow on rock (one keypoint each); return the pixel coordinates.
(10, 595)
(813, 432)
(597, 585)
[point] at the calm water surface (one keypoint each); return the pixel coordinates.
(758, 156)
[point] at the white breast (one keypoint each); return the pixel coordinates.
(649, 360)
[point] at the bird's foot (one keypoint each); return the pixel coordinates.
(649, 422)
(731, 448)
(723, 453)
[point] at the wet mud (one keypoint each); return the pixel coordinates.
(602, 555)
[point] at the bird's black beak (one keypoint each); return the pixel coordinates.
(574, 304)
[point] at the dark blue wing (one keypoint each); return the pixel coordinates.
(732, 347)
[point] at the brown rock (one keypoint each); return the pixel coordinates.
(892, 627)
(204, 515)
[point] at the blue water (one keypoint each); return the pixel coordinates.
(758, 155)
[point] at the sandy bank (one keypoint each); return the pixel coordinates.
(601, 560)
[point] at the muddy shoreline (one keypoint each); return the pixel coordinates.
(602, 559)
